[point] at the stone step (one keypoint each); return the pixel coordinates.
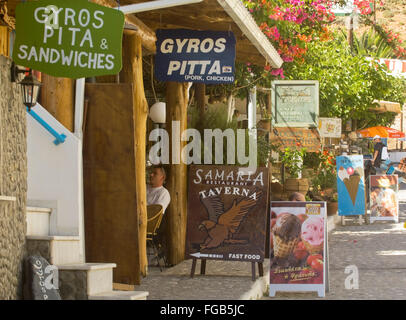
(38, 221)
(58, 250)
(84, 280)
(120, 295)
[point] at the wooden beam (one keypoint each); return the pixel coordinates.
(57, 96)
(146, 35)
(132, 73)
(176, 101)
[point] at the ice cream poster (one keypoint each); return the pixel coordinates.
(350, 185)
(227, 210)
(383, 198)
(298, 247)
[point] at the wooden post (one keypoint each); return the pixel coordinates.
(132, 72)
(200, 92)
(57, 98)
(176, 104)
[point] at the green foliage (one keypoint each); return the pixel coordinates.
(217, 118)
(370, 44)
(292, 160)
(348, 83)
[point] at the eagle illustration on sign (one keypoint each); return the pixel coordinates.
(221, 224)
(227, 209)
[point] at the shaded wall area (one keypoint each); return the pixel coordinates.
(13, 182)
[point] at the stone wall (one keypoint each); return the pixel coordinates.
(13, 182)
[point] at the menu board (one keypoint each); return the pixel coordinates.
(295, 103)
(298, 247)
(226, 213)
(383, 190)
(350, 185)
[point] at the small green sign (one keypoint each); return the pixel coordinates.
(68, 38)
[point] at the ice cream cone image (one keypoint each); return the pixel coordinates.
(352, 184)
(313, 234)
(312, 249)
(282, 248)
(286, 234)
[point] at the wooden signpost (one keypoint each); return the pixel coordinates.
(226, 215)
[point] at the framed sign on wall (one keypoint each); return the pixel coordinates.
(295, 103)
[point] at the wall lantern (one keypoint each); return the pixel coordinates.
(29, 85)
(157, 112)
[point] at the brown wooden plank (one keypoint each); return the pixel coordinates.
(57, 96)
(111, 221)
(4, 41)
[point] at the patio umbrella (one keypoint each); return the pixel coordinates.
(383, 132)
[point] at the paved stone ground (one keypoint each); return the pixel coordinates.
(378, 251)
(224, 280)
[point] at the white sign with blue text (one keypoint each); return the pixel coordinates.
(195, 56)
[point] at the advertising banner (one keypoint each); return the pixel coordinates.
(298, 247)
(296, 138)
(384, 204)
(330, 127)
(68, 38)
(350, 185)
(226, 213)
(195, 56)
(295, 103)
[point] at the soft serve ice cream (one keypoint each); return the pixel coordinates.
(312, 234)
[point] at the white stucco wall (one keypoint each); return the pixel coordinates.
(55, 175)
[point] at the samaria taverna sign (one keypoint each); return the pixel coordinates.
(68, 38)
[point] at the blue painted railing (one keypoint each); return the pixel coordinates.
(60, 138)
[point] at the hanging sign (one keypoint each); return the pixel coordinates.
(195, 56)
(226, 213)
(350, 185)
(298, 247)
(295, 103)
(330, 127)
(384, 203)
(68, 38)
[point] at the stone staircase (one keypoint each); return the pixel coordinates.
(77, 280)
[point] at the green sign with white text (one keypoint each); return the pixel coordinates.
(68, 38)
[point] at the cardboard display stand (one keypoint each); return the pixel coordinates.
(351, 187)
(226, 215)
(383, 193)
(298, 256)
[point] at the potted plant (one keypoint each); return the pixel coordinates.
(292, 159)
(324, 183)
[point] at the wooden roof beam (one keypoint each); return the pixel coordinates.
(148, 36)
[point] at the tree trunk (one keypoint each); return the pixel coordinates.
(132, 72)
(177, 101)
(57, 96)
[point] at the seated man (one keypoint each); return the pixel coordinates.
(156, 192)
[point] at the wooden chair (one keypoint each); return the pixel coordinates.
(154, 215)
